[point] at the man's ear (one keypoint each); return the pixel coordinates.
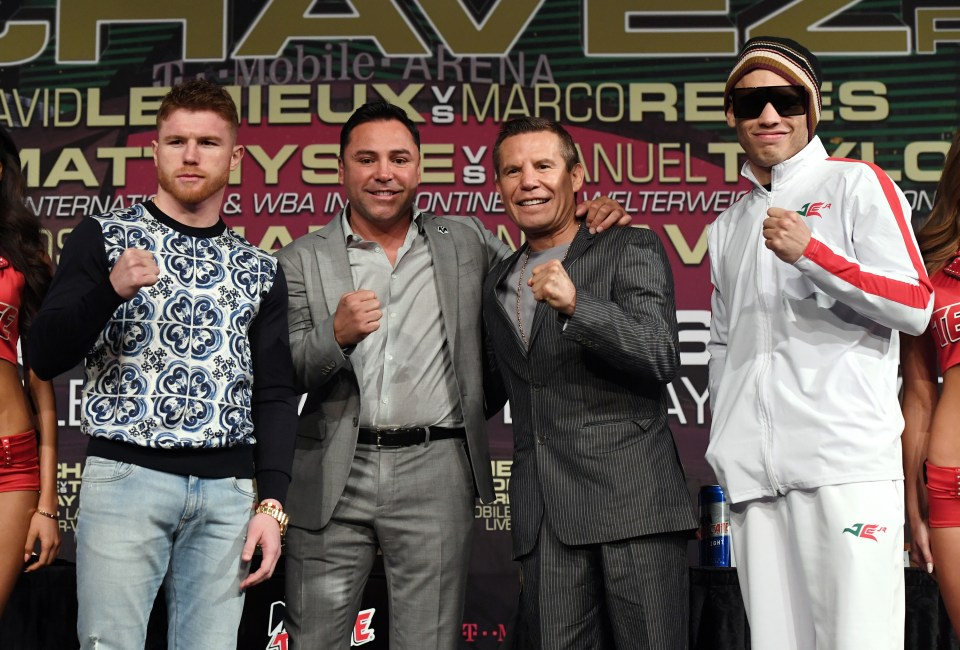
(236, 156)
(577, 174)
(731, 120)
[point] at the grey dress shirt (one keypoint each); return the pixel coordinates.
(525, 309)
(408, 377)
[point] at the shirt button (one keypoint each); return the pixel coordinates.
(394, 276)
(389, 357)
(385, 400)
(393, 314)
(376, 249)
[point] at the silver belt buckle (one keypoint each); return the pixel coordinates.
(381, 437)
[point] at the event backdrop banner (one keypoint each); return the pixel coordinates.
(637, 82)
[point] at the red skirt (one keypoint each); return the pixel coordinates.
(19, 463)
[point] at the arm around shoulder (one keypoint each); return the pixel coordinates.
(496, 250)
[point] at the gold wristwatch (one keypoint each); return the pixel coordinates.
(277, 513)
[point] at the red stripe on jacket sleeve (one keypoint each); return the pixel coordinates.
(905, 293)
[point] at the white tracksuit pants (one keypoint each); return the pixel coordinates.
(822, 569)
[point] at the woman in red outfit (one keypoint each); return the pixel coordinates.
(931, 446)
(28, 418)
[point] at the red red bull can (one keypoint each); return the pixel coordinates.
(714, 527)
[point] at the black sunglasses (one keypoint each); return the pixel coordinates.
(748, 103)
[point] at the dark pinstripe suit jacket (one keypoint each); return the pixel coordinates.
(591, 443)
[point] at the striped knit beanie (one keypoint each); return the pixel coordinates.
(787, 58)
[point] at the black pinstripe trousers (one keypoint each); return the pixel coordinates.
(629, 595)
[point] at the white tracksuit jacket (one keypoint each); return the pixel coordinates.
(803, 357)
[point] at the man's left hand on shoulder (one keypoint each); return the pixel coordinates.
(603, 213)
(552, 285)
(786, 234)
(263, 531)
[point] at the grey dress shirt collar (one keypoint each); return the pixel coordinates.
(349, 235)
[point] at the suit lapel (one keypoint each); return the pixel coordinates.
(582, 241)
(443, 253)
(331, 254)
(580, 245)
(334, 268)
(508, 319)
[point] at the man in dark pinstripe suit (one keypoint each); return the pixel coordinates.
(584, 331)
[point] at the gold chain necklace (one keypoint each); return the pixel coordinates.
(523, 269)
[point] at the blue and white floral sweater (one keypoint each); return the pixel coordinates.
(193, 374)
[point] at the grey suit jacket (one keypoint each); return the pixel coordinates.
(588, 397)
(318, 274)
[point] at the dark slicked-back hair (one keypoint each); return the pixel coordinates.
(21, 241)
(523, 125)
(378, 111)
(199, 95)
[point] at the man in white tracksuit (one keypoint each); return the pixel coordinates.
(814, 271)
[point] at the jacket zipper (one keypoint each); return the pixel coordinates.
(766, 424)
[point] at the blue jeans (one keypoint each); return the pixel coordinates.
(139, 527)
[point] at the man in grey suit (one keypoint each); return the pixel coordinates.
(384, 311)
(584, 331)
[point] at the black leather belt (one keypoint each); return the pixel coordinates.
(406, 436)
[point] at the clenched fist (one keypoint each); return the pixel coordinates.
(552, 285)
(357, 315)
(786, 234)
(134, 270)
